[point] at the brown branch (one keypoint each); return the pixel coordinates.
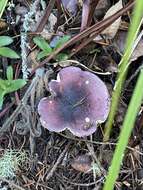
(44, 19)
(93, 30)
(45, 16)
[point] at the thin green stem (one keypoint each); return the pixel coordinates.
(128, 125)
(3, 4)
(124, 64)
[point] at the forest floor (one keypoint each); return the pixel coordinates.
(34, 157)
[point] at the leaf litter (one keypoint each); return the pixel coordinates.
(61, 160)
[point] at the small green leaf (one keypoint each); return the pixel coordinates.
(5, 40)
(9, 73)
(3, 84)
(62, 57)
(8, 86)
(11, 86)
(7, 52)
(42, 54)
(15, 85)
(62, 41)
(42, 44)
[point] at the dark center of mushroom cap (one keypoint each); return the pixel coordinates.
(73, 102)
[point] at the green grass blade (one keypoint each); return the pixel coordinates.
(123, 66)
(3, 4)
(128, 125)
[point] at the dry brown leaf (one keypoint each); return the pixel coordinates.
(138, 52)
(101, 9)
(111, 31)
(120, 40)
(3, 24)
(82, 163)
(102, 4)
(49, 28)
(70, 5)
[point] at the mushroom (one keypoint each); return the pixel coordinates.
(79, 101)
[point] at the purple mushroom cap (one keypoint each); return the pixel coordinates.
(79, 101)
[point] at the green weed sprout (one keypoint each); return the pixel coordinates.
(9, 85)
(5, 51)
(47, 50)
(10, 162)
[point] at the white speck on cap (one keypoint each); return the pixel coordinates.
(87, 82)
(87, 119)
